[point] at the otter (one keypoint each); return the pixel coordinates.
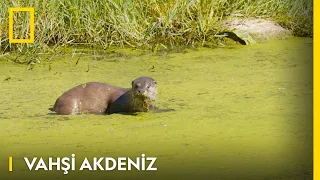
(101, 98)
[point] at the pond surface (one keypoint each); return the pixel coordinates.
(241, 112)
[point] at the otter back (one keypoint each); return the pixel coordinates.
(91, 97)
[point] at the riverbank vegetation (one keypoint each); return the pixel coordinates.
(148, 24)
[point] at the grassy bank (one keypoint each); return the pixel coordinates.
(142, 23)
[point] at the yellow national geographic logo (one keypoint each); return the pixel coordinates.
(31, 39)
(10, 163)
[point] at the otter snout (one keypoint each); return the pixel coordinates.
(141, 91)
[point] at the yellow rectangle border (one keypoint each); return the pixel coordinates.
(27, 9)
(316, 89)
(316, 76)
(10, 163)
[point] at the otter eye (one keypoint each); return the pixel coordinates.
(137, 85)
(148, 86)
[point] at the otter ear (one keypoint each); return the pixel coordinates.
(131, 83)
(155, 82)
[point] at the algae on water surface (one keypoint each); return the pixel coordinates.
(241, 111)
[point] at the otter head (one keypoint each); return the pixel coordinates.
(145, 86)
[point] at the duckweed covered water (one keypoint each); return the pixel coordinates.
(241, 112)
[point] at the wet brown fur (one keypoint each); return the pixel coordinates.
(98, 98)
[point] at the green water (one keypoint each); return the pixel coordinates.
(241, 112)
